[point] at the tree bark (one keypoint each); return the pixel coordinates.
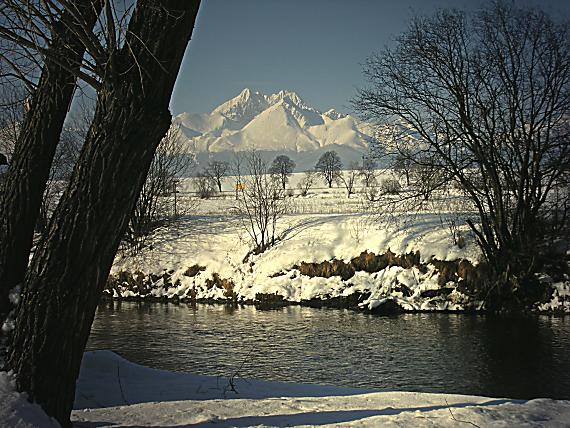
(35, 148)
(65, 279)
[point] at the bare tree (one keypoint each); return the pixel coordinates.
(281, 169)
(157, 203)
(237, 167)
(487, 98)
(218, 170)
(205, 186)
(260, 203)
(348, 177)
(67, 273)
(427, 176)
(51, 33)
(307, 181)
(403, 164)
(329, 166)
(367, 171)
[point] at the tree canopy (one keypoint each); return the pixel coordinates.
(281, 168)
(329, 166)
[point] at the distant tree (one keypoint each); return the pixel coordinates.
(348, 177)
(218, 170)
(66, 154)
(205, 185)
(307, 181)
(403, 164)
(237, 171)
(427, 176)
(329, 166)
(282, 168)
(367, 171)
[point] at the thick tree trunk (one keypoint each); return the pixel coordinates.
(68, 271)
(35, 148)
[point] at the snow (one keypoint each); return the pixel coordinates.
(323, 226)
(276, 128)
(114, 392)
(16, 411)
(218, 242)
(276, 122)
(560, 300)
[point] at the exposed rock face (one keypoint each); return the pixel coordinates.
(449, 271)
(327, 269)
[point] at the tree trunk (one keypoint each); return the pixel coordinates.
(65, 279)
(35, 148)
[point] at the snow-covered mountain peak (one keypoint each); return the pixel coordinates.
(333, 114)
(281, 122)
(243, 107)
(287, 96)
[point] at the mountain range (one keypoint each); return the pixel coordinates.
(280, 123)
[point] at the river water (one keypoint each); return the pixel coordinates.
(523, 357)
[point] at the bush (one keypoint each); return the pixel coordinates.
(205, 186)
(390, 186)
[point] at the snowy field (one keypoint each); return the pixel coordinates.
(324, 225)
(113, 392)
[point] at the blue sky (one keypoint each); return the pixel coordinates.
(313, 47)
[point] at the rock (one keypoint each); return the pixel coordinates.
(327, 269)
(268, 301)
(194, 270)
(445, 291)
(385, 307)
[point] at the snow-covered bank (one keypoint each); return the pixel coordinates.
(319, 258)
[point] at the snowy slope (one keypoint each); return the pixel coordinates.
(276, 123)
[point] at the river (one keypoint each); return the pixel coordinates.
(520, 357)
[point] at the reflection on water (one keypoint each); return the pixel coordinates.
(466, 354)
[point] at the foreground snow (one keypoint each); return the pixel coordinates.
(16, 411)
(113, 392)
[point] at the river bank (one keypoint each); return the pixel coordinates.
(341, 260)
